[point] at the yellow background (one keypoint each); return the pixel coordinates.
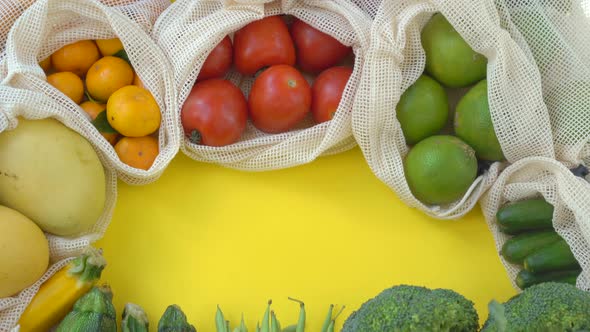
(328, 232)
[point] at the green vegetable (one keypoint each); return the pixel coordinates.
(174, 320)
(258, 327)
(300, 327)
(526, 279)
(290, 328)
(414, 308)
(548, 306)
(333, 322)
(93, 312)
(266, 319)
(134, 319)
(220, 321)
(243, 327)
(527, 215)
(328, 319)
(516, 249)
(555, 257)
(275, 326)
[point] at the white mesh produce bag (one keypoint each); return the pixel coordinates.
(190, 29)
(569, 195)
(48, 25)
(34, 105)
(396, 59)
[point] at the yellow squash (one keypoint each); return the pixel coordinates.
(57, 296)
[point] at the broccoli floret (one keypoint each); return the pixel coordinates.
(551, 307)
(412, 308)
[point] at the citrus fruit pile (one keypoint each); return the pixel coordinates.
(98, 76)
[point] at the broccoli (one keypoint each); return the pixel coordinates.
(552, 307)
(413, 308)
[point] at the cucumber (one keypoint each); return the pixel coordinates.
(527, 215)
(555, 257)
(516, 249)
(526, 279)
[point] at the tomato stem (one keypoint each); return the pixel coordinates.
(195, 137)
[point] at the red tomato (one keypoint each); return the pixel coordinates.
(215, 113)
(263, 43)
(218, 62)
(280, 98)
(327, 91)
(316, 50)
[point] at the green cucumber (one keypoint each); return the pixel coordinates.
(527, 215)
(555, 257)
(516, 249)
(526, 279)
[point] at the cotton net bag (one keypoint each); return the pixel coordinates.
(396, 60)
(558, 33)
(48, 25)
(14, 104)
(189, 30)
(569, 195)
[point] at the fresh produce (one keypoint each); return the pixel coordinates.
(138, 152)
(69, 84)
(94, 109)
(76, 58)
(59, 293)
(316, 51)
(93, 312)
(263, 43)
(526, 215)
(66, 196)
(279, 100)
(449, 59)
(413, 308)
(422, 110)
(108, 47)
(218, 62)
(326, 92)
(134, 319)
(25, 252)
(440, 169)
(174, 320)
(215, 113)
(45, 64)
(133, 112)
(108, 75)
(473, 123)
(517, 248)
(545, 307)
(556, 256)
(526, 279)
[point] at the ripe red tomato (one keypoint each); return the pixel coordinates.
(218, 62)
(280, 98)
(263, 43)
(316, 50)
(215, 113)
(327, 91)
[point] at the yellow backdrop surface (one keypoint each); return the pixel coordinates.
(327, 232)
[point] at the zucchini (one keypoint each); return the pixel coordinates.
(554, 257)
(526, 279)
(516, 249)
(527, 215)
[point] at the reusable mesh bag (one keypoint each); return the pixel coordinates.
(18, 103)
(48, 25)
(570, 196)
(189, 30)
(396, 59)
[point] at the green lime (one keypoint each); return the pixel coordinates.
(449, 59)
(422, 110)
(440, 169)
(473, 123)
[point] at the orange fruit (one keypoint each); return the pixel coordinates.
(137, 81)
(109, 46)
(45, 64)
(133, 112)
(94, 109)
(108, 75)
(138, 152)
(77, 57)
(69, 84)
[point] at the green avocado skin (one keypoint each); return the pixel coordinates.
(449, 59)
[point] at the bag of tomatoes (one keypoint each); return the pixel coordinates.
(264, 84)
(455, 96)
(109, 78)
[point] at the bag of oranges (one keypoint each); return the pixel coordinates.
(98, 62)
(264, 84)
